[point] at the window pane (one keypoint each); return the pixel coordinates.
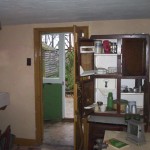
(50, 55)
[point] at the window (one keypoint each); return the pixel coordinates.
(51, 52)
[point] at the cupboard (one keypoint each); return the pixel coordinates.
(120, 65)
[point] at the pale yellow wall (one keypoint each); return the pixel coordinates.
(16, 44)
(120, 27)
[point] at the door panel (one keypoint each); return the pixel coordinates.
(78, 131)
(87, 96)
(134, 57)
(53, 56)
(51, 102)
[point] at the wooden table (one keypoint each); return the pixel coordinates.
(121, 135)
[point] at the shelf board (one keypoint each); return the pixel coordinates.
(108, 113)
(106, 75)
(133, 77)
(96, 54)
(107, 118)
(86, 52)
(133, 93)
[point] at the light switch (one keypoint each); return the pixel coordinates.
(28, 61)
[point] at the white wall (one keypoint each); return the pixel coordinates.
(16, 44)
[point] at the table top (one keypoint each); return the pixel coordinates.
(121, 135)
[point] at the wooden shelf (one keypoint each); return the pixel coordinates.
(131, 62)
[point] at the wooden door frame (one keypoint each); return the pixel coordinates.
(38, 74)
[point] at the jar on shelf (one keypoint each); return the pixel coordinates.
(113, 48)
(98, 46)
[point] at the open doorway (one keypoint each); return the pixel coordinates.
(58, 81)
(39, 75)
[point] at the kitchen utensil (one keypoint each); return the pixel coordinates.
(112, 69)
(127, 109)
(133, 109)
(103, 108)
(101, 71)
(132, 103)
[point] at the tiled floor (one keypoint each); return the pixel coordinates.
(57, 147)
(60, 136)
(69, 107)
(57, 136)
(44, 147)
(60, 133)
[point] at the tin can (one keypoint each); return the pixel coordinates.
(98, 47)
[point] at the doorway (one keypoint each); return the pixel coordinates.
(39, 74)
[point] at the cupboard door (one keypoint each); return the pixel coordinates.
(87, 96)
(133, 56)
(78, 133)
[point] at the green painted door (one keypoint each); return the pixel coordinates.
(53, 61)
(52, 97)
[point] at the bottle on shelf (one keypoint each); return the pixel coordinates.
(110, 101)
(127, 109)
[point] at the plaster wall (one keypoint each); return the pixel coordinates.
(16, 45)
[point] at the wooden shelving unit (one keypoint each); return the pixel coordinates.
(132, 64)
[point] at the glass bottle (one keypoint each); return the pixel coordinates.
(110, 101)
(127, 109)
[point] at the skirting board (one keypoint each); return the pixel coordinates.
(25, 142)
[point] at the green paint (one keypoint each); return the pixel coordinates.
(52, 102)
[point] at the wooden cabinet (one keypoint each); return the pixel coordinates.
(97, 131)
(121, 67)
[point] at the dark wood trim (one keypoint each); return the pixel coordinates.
(67, 120)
